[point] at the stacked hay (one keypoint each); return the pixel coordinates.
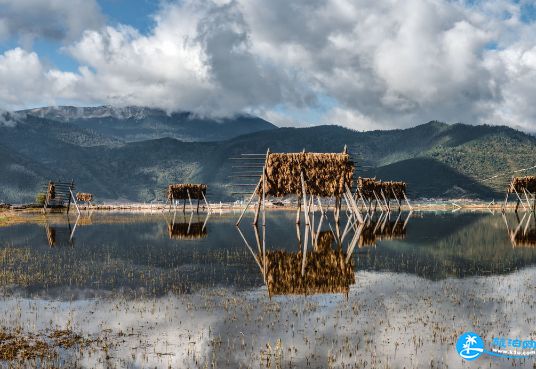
(523, 183)
(392, 188)
(51, 191)
(326, 270)
(368, 186)
(187, 231)
(84, 197)
(325, 175)
(180, 191)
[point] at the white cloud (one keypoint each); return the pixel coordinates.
(385, 63)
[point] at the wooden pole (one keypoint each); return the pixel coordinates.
(249, 202)
(209, 210)
(190, 200)
(298, 211)
(505, 201)
(257, 210)
(407, 201)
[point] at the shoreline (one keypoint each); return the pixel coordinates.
(220, 208)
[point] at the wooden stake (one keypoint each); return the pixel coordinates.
(257, 210)
(298, 211)
(407, 201)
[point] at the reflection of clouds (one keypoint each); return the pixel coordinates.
(389, 320)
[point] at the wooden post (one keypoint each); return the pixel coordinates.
(249, 202)
(407, 201)
(385, 200)
(209, 210)
(505, 201)
(183, 206)
(71, 194)
(257, 209)
(190, 200)
(298, 211)
(197, 209)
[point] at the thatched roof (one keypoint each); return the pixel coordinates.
(326, 270)
(325, 174)
(187, 231)
(180, 191)
(523, 183)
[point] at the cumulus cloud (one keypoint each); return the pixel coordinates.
(384, 63)
(53, 19)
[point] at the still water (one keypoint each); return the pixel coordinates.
(168, 290)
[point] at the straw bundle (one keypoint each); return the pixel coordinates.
(51, 191)
(180, 191)
(325, 175)
(84, 197)
(326, 270)
(520, 184)
(187, 231)
(367, 187)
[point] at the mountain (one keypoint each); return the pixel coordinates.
(436, 159)
(134, 123)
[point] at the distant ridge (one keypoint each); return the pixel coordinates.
(133, 154)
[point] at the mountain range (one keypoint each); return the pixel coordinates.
(132, 154)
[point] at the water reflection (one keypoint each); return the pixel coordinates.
(326, 268)
(384, 227)
(134, 253)
(61, 234)
(187, 229)
(522, 232)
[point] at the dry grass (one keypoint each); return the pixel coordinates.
(325, 175)
(181, 191)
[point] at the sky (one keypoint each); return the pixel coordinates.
(363, 64)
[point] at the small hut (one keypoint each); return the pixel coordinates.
(187, 191)
(522, 187)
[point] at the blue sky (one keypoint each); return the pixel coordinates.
(295, 63)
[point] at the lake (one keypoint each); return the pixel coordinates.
(180, 290)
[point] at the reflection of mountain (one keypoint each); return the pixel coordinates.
(481, 247)
(325, 270)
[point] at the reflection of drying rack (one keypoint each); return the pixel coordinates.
(320, 270)
(187, 230)
(60, 235)
(383, 228)
(523, 235)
